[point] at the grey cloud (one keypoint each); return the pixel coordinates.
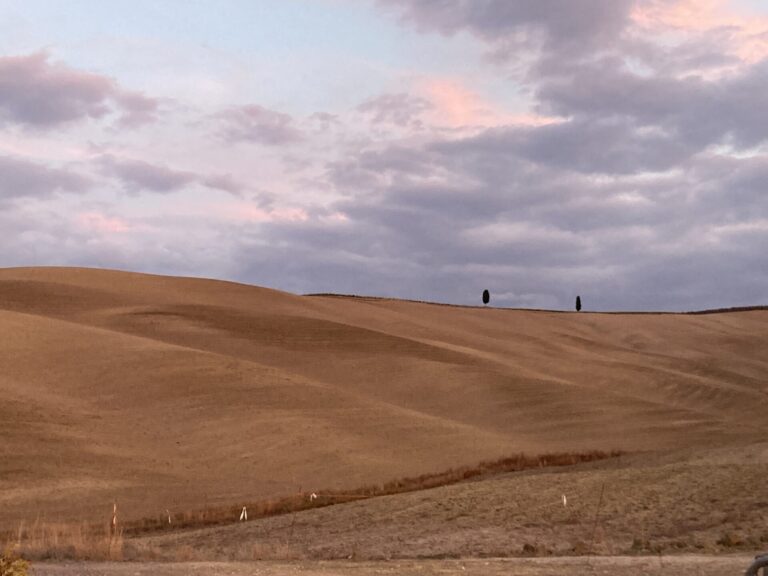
(324, 121)
(138, 175)
(597, 146)
(691, 109)
(254, 123)
(137, 108)
(561, 25)
(54, 235)
(514, 214)
(399, 109)
(223, 182)
(37, 93)
(591, 64)
(23, 178)
(668, 223)
(698, 54)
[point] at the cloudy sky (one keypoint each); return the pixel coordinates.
(424, 149)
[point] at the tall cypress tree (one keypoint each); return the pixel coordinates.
(578, 303)
(486, 296)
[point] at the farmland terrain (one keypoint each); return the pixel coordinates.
(167, 394)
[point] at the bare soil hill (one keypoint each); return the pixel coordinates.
(175, 393)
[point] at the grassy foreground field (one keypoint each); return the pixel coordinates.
(169, 396)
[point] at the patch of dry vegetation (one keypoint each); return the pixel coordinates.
(65, 541)
(12, 565)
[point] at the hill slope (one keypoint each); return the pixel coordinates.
(163, 392)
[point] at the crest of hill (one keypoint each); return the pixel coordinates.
(164, 392)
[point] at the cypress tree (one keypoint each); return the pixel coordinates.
(486, 296)
(578, 303)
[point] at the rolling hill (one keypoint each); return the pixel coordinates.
(175, 393)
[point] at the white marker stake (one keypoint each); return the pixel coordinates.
(565, 501)
(243, 515)
(114, 518)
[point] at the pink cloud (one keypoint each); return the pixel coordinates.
(456, 106)
(251, 213)
(98, 222)
(747, 33)
(44, 149)
(338, 217)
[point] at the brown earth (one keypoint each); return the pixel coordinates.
(165, 393)
(605, 566)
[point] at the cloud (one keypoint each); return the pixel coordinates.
(608, 146)
(642, 193)
(254, 123)
(743, 36)
(676, 67)
(692, 110)
(400, 109)
(103, 223)
(524, 25)
(138, 175)
(542, 213)
(457, 106)
(57, 235)
(21, 178)
(37, 93)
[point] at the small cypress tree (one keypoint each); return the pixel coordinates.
(578, 303)
(486, 296)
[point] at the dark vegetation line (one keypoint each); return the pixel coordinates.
(633, 312)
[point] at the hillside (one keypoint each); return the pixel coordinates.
(173, 393)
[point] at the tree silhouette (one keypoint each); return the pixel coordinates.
(578, 303)
(486, 296)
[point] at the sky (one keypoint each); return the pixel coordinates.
(422, 149)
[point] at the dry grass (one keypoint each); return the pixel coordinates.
(60, 541)
(12, 565)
